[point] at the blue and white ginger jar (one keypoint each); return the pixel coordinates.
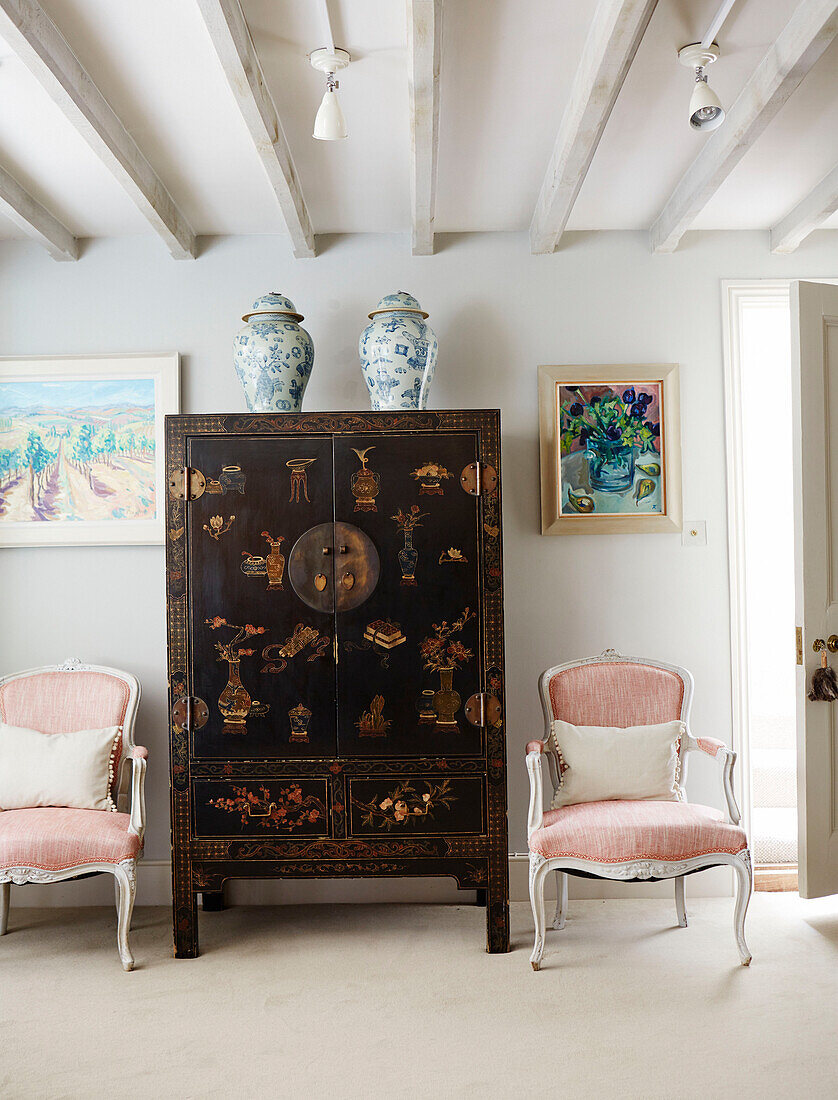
(273, 356)
(398, 353)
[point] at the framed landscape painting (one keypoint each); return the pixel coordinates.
(610, 449)
(81, 448)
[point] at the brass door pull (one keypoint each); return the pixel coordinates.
(320, 581)
(348, 580)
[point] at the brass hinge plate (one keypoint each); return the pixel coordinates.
(187, 484)
(190, 713)
(479, 477)
(483, 710)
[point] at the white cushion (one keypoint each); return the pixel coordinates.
(57, 769)
(600, 763)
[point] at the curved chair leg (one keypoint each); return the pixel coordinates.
(561, 900)
(127, 882)
(538, 873)
(117, 901)
(744, 886)
(680, 901)
(5, 897)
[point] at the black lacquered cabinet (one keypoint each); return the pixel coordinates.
(336, 652)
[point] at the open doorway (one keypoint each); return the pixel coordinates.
(761, 535)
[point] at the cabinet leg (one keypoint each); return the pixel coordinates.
(213, 901)
(185, 925)
(497, 915)
(481, 898)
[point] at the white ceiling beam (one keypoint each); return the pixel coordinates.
(231, 38)
(809, 214)
(800, 44)
(40, 46)
(614, 36)
(424, 53)
(36, 221)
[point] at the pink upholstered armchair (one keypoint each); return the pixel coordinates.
(48, 844)
(628, 840)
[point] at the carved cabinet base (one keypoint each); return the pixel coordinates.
(336, 674)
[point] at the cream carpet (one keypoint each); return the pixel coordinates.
(401, 1001)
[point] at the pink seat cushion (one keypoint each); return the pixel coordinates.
(51, 838)
(616, 832)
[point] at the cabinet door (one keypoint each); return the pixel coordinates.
(409, 656)
(261, 659)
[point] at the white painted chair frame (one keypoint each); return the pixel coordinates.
(540, 867)
(125, 873)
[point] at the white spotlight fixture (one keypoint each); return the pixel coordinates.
(706, 112)
(329, 123)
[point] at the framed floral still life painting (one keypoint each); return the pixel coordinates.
(81, 448)
(610, 449)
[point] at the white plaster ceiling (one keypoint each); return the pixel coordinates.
(507, 67)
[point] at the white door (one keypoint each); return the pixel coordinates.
(814, 328)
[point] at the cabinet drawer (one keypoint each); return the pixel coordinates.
(255, 807)
(426, 805)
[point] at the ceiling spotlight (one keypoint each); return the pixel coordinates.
(706, 112)
(329, 123)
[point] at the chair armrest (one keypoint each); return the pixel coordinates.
(139, 757)
(535, 816)
(709, 745)
(726, 759)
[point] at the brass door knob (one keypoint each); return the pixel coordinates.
(831, 644)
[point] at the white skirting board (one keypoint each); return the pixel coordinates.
(154, 887)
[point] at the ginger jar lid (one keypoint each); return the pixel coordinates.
(273, 304)
(401, 302)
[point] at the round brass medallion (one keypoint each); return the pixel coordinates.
(331, 549)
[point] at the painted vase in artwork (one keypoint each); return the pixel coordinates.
(275, 562)
(273, 355)
(299, 716)
(408, 557)
(398, 353)
(610, 465)
(234, 701)
(364, 483)
(446, 700)
(231, 479)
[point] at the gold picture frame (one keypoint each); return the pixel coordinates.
(610, 443)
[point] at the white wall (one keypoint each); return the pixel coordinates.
(498, 312)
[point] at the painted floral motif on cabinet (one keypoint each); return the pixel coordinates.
(405, 805)
(443, 653)
(235, 702)
(430, 478)
(286, 809)
(407, 522)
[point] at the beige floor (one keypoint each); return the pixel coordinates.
(401, 1001)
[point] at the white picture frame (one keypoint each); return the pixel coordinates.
(99, 448)
(592, 517)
